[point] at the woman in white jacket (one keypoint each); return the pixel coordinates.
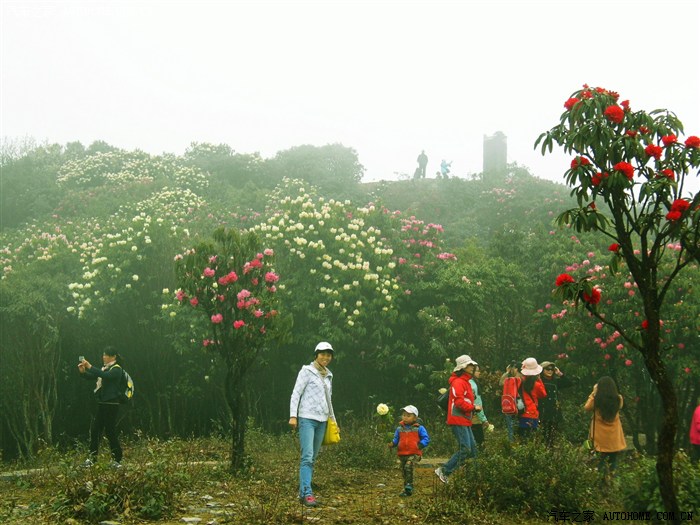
(309, 410)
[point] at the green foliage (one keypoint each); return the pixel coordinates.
(101, 492)
(639, 484)
(528, 478)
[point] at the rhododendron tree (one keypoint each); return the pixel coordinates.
(624, 193)
(231, 284)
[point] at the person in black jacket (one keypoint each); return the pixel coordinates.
(109, 381)
(550, 409)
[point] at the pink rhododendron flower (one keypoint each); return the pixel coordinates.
(194, 301)
(687, 369)
(681, 346)
(269, 252)
(217, 318)
(243, 294)
(555, 337)
(271, 277)
(208, 272)
(599, 326)
(238, 324)
(213, 258)
(180, 295)
(607, 357)
(258, 313)
(628, 362)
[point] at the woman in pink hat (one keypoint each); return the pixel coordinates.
(531, 390)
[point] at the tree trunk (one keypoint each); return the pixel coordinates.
(235, 401)
(667, 434)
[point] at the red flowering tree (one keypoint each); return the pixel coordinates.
(231, 285)
(628, 177)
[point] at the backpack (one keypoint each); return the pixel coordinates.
(126, 387)
(510, 401)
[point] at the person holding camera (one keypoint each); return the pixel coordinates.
(550, 406)
(107, 394)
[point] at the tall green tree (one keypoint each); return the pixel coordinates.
(628, 177)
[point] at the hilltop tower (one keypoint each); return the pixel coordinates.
(495, 153)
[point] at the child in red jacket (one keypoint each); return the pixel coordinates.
(410, 438)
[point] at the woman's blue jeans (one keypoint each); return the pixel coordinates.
(310, 438)
(467, 448)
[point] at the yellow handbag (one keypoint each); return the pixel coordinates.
(332, 435)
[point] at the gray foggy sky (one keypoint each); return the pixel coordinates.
(386, 78)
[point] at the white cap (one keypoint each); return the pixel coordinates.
(323, 347)
(410, 409)
(463, 362)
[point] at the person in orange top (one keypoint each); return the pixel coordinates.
(606, 428)
(531, 390)
(410, 439)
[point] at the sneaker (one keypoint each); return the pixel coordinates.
(441, 474)
(115, 465)
(309, 501)
(406, 493)
(87, 463)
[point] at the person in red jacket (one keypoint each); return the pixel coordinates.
(695, 434)
(532, 389)
(410, 438)
(459, 415)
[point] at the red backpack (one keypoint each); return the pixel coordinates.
(509, 404)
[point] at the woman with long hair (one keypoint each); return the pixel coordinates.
(606, 428)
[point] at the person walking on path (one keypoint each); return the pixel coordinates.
(309, 410)
(410, 439)
(460, 408)
(606, 428)
(109, 381)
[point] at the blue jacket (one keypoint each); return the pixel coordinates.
(410, 439)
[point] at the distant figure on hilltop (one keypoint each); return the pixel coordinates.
(422, 164)
(445, 168)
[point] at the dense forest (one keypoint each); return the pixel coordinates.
(400, 276)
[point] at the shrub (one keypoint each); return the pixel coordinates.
(149, 490)
(528, 478)
(639, 484)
